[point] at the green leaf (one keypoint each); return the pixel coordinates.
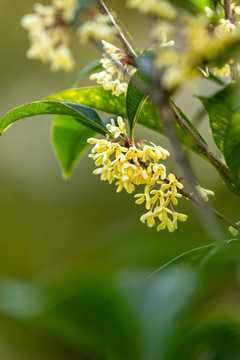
(131, 317)
(69, 139)
(96, 97)
(232, 145)
(135, 100)
(83, 114)
(87, 314)
(189, 260)
(92, 67)
(103, 100)
(223, 110)
(157, 303)
(193, 5)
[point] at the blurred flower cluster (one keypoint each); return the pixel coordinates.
(48, 35)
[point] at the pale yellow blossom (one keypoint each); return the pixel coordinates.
(128, 165)
(161, 8)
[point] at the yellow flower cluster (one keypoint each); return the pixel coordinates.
(96, 29)
(129, 164)
(160, 8)
(203, 43)
(47, 33)
(112, 77)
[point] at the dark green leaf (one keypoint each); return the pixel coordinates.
(100, 99)
(215, 2)
(189, 260)
(83, 114)
(223, 109)
(85, 313)
(193, 5)
(232, 145)
(135, 99)
(69, 139)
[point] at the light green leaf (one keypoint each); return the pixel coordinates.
(69, 139)
(100, 99)
(103, 100)
(83, 114)
(95, 97)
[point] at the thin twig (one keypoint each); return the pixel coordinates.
(214, 212)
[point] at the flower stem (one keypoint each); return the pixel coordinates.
(214, 212)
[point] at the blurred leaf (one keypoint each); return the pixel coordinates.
(215, 2)
(135, 99)
(145, 64)
(223, 109)
(176, 314)
(69, 139)
(210, 326)
(83, 114)
(189, 260)
(232, 145)
(131, 317)
(92, 67)
(193, 5)
(208, 75)
(87, 314)
(157, 303)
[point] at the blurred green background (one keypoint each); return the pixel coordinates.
(47, 224)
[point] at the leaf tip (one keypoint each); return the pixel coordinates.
(66, 177)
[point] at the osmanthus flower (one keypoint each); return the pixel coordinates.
(113, 77)
(48, 36)
(129, 164)
(201, 43)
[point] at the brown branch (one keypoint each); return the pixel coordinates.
(227, 9)
(216, 162)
